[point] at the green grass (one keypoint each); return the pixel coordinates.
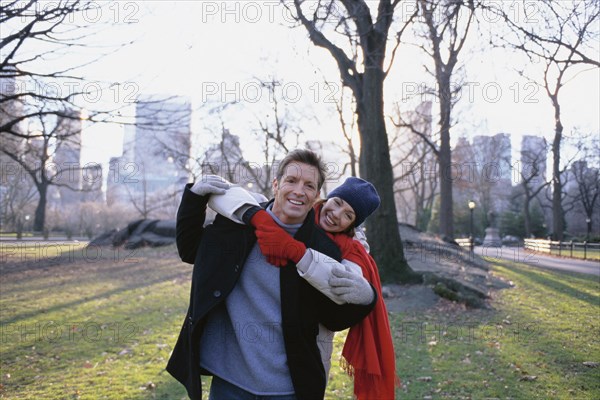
(85, 324)
(90, 324)
(545, 327)
(590, 254)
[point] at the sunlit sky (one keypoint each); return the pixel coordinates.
(194, 48)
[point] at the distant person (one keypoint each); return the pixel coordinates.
(368, 352)
(252, 326)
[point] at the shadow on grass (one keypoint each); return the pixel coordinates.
(45, 258)
(168, 388)
(558, 338)
(553, 283)
(413, 360)
(55, 276)
(99, 296)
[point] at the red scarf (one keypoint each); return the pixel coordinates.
(369, 350)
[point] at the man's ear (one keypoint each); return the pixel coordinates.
(318, 198)
(275, 186)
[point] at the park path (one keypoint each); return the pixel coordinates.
(521, 255)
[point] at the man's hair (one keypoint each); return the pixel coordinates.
(304, 156)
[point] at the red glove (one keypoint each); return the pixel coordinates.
(274, 242)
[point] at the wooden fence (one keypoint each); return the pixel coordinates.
(465, 242)
(572, 249)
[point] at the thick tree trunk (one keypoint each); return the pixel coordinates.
(527, 216)
(557, 210)
(445, 162)
(39, 220)
(375, 166)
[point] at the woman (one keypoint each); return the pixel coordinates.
(368, 352)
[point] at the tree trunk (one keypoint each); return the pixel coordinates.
(445, 161)
(39, 220)
(557, 210)
(375, 166)
(527, 216)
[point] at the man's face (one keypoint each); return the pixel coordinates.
(295, 193)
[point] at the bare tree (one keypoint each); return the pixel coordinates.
(348, 128)
(39, 156)
(32, 91)
(39, 31)
(532, 176)
(18, 195)
(277, 131)
(150, 201)
(561, 35)
(447, 24)
(362, 69)
(492, 171)
(588, 189)
(412, 160)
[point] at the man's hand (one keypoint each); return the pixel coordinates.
(210, 184)
(350, 287)
(274, 242)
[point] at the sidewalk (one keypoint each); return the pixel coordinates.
(540, 260)
(36, 239)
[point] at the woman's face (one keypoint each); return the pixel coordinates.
(336, 215)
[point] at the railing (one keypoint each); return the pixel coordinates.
(465, 242)
(571, 249)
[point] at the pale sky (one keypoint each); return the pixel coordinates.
(215, 51)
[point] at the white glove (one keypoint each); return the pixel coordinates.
(359, 234)
(351, 288)
(210, 184)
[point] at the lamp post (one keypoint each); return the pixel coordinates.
(471, 240)
(588, 221)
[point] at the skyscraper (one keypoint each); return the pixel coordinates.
(533, 159)
(162, 141)
(67, 156)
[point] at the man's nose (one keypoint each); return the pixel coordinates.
(299, 189)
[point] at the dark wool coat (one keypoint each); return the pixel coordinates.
(218, 252)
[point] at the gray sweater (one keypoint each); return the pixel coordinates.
(243, 340)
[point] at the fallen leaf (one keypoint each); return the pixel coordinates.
(591, 364)
(124, 351)
(424, 379)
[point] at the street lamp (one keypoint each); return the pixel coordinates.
(471, 240)
(588, 221)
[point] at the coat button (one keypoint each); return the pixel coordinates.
(236, 267)
(217, 293)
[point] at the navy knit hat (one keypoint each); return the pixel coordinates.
(360, 194)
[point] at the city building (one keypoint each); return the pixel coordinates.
(67, 157)
(156, 153)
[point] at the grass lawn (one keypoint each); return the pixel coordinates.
(91, 324)
(590, 254)
(533, 345)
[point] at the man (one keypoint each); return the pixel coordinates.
(249, 324)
